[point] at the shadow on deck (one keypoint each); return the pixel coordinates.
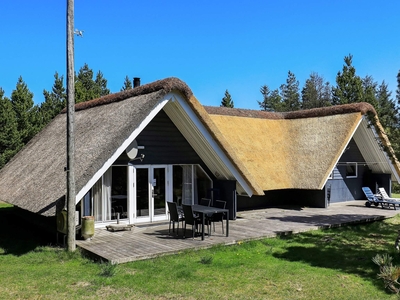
(150, 240)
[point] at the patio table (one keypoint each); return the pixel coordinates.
(209, 210)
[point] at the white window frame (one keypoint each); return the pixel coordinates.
(355, 167)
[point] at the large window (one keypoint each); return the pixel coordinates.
(119, 194)
(110, 196)
(190, 183)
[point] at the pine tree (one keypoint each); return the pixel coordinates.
(86, 88)
(28, 121)
(272, 101)
(290, 93)
(370, 91)
(10, 141)
(349, 87)
(127, 84)
(315, 92)
(54, 101)
(101, 84)
(227, 100)
(398, 89)
(394, 133)
(386, 108)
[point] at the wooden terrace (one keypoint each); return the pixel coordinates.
(150, 240)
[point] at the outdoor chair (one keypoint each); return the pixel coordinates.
(190, 218)
(174, 217)
(385, 197)
(217, 217)
(205, 201)
(377, 199)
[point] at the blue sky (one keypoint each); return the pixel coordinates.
(211, 45)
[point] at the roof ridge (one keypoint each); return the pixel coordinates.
(166, 85)
(362, 107)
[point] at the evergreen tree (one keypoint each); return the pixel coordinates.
(10, 141)
(54, 101)
(349, 87)
(398, 89)
(127, 84)
(394, 133)
(272, 101)
(386, 109)
(370, 91)
(101, 84)
(28, 121)
(227, 100)
(316, 93)
(290, 93)
(86, 88)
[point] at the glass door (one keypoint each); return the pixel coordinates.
(159, 191)
(142, 193)
(151, 193)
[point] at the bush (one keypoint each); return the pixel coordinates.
(395, 188)
(387, 272)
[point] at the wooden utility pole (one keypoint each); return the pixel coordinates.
(71, 194)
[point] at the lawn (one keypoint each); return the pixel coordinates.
(324, 264)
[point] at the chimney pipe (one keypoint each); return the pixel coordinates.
(136, 82)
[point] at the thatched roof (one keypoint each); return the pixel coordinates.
(35, 179)
(294, 150)
(265, 150)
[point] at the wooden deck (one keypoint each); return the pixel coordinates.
(150, 240)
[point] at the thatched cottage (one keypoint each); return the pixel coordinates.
(138, 149)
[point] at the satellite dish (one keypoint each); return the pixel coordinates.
(132, 150)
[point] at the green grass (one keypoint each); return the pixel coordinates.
(324, 264)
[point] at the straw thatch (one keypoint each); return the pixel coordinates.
(362, 107)
(162, 86)
(294, 150)
(269, 150)
(35, 179)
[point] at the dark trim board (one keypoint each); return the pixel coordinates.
(297, 197)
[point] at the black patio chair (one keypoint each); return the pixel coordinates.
(174, 216)
(190, 218)
(205, 201)
(217, 217)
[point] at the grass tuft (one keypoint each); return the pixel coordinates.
(206, 260)
(108, 269)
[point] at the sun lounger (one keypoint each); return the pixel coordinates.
(386, 197)
(377, 200)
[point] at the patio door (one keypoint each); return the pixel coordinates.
(151, 193)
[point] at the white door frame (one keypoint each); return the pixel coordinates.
(133, 218)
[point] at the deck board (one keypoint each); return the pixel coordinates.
(144, 242)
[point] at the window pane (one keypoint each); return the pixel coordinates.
(351, 170)
(119, 193)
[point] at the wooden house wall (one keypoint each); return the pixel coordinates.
(348, 189)
(163, 144)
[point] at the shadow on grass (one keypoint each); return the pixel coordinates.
(18, 236)
(349, 249)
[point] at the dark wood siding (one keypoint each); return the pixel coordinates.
(164, 144)
(347, 189)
